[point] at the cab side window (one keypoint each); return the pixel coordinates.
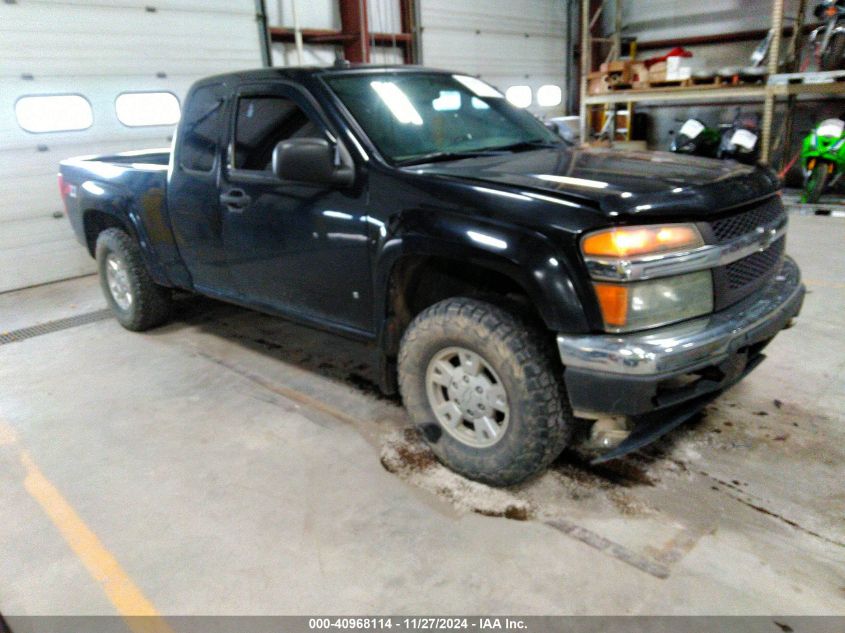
(200, 132)
(262, 122)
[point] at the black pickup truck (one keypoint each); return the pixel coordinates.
(512, 286)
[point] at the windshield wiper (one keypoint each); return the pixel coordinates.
(436, 157)
(524, 145)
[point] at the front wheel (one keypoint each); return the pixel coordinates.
(138, 303)
(482, 386)
(816, 182)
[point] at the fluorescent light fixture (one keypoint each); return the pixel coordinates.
(549, 95)
(448, 100)
(54, 113)
(575, 182)
(487, 240)
(520, 96)
(477, 87)
(382, 229)
(149, 166)
(340, 215)
(397, 101)
(139, 152)
(504, 194)
(106, 170)
(94, 188)
(540, 196)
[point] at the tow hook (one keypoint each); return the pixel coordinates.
(608, 432)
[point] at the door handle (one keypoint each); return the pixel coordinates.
(236, 199)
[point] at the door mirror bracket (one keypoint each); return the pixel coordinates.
(311, 160)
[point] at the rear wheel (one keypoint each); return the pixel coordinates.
(137, 301)
(816, 182)
(482, 386)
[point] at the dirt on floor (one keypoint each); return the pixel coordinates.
(734, 464)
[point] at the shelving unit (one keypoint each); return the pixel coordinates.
(778, 87)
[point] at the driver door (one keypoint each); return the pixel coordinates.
(299, 249)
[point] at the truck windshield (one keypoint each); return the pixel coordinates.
(422, 117)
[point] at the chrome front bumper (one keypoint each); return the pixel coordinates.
(683, 348)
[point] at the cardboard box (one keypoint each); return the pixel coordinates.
(618, 72)
(639, 75)
(670, 70)
(618, 65)
(657, 73)
(676, 71)
(597, 83)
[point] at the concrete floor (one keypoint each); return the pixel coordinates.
(233, 463)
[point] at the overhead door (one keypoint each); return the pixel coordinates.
(97, 50)
(518, 44)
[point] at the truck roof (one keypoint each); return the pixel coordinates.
(302, 72)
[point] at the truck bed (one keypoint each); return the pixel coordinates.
(138, 159)
(127, 190)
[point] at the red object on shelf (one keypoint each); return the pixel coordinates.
(678, 51)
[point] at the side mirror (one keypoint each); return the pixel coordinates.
(311, 160)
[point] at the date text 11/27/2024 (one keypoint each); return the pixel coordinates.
(425, 623)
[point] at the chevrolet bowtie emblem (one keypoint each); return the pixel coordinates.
(767, 237)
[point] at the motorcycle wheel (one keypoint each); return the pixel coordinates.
(832, 58)
(816, 183)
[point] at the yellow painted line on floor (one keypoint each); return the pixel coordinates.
(138, 612)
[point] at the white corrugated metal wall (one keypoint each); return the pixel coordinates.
(506, 42)
(650, 20)
(97, 49)
(665, 19)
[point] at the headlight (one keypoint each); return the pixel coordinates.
(645, 304)
(641, 240)
(637, 305)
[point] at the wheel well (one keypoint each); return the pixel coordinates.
(95, 222)
(418, 282)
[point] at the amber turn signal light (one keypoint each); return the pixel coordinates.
(641, 240)
(613, 300)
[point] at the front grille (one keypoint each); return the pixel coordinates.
(754, 267)
(737, 280)
(745, 276)
(732, 227)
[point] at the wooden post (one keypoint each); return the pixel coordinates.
(774, 61)
(585, 65)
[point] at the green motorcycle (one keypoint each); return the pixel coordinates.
(823, 158)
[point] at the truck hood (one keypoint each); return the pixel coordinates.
(619, 183)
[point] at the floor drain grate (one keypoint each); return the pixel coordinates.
(53, 326)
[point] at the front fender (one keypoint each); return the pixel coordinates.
(542, 269)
